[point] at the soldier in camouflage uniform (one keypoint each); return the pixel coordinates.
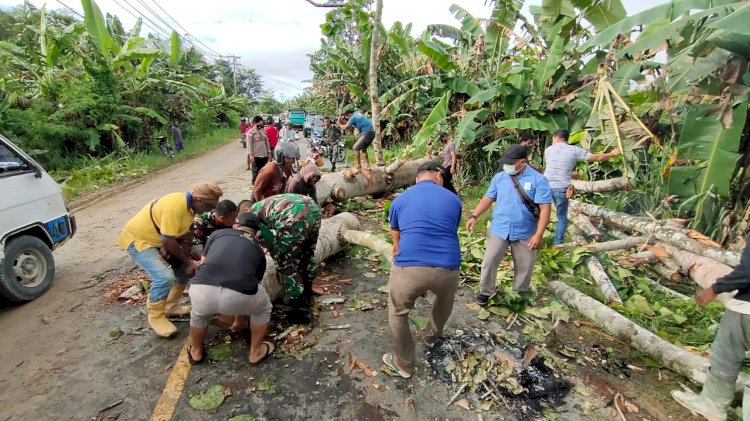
(289, 230)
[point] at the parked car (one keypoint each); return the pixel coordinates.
(297, 118)
(34, 221)
(312, 122)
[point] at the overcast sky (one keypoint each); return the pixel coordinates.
(274, 37)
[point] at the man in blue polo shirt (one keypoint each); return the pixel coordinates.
(522, 200)
(427, 257)
(366, 134)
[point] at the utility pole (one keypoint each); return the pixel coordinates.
(234, 59)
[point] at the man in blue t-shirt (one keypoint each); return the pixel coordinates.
(366, 134)
(516, 191)
(427, 257)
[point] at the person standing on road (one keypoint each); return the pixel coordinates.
(424, 226)
(158, 239)
(559, 160)
(728, 350)
(304, 182)
(177, 136)
(206, 223)
(243, 131)
(289, 227)
(258, 149)
(273, 135)
(366, 134)
(273, 177)
(522, 200)
(332, 137)
(449, 162)
(287, 134)
(228, 283)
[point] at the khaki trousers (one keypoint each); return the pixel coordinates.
(405, 285)
(523, 263)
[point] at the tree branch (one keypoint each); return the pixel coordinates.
(324, 4)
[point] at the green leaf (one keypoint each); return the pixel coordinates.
(437, 53)
(483, 96)
(502, 19)
(703, 138)
(467, 129)
(477, 253)
(736, 21)
(550, 63)
(555, 8)
(209, 399)
(621, 78)
(220, 352)
(268, 384)
(483, 314)
(151, 113)
(431, 125)
(96, 27)
(602, 13)
(242, 417)
(175, 49)
(419, 322)
(548, 123)
(369, 275)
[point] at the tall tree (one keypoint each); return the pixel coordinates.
(373, 74)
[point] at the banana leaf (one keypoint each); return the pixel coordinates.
(555, 8)
(601, 13)
(175, 49)
(431, 125)
(483, 96)
(437, 53)
(736, 21)
(704, 139)
(469, 129)
(547, 123)
(621, 78)
(96, 27)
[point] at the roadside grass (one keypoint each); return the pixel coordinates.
(92, 173)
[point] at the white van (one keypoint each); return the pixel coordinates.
(34, 220)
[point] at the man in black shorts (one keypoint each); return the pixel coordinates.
(366, 134)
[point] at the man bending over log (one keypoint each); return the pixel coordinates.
(559, 161)
(522, 200)
(424, 226)
(206, 223)
(289, 226)
(728, 349)
(366, 134)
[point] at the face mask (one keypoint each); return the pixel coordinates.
(510, 169)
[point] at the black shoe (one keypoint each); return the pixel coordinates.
(300, 316)
(482, 299)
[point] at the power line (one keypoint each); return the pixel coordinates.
(187, 33)
(71, 9)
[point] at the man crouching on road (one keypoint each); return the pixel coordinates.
(165, 223)
(424, 226)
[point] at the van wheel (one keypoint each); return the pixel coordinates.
(27, 269)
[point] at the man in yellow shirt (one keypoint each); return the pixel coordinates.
(166, 223)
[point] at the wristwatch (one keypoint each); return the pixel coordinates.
(472, 216)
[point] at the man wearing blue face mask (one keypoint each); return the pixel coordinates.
(522, 200)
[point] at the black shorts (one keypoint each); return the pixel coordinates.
(364, 141)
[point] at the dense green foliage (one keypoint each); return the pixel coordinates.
(583, 65)
(72, 88)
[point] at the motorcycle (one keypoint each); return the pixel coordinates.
(333, 151)
(165, 147)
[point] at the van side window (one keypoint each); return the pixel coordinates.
(10, 162)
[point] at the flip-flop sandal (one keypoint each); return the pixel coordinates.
(388, 360)
(269, 350)
(190, 356)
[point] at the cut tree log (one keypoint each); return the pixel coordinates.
(672, 274)
(675, 358)
(704, 272)
(613, 245)
(330, 242)
(584, 223)
(370, 241)
(668, 290)
(597, 272)
(638, 259)
(601, 186)
(670, 235)
(350, 183)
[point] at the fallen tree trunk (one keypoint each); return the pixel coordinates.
(352, 183)
(597, 272)
(672, 274)
(601, 186)
(370, 241)
(330, 242)
(675, 358)
(703, 271)
(613, 245)
(669, 235)
(668, 290)
(584, 223)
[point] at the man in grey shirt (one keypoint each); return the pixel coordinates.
(449, 162)
(559, 160)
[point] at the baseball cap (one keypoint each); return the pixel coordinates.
(514, 153)
(250, 220)
(430, 166)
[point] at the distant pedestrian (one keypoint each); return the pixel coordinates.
(449, 162)
(366, 135)
(258, 149)
(424, 225)
(559, 161)
(522, 200)
(272, 133)
(304, 182)
(228, 283)
(244, 125)
(177, 136)
(727, 354)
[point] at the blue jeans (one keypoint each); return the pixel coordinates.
(163, 275)
(561, 208)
